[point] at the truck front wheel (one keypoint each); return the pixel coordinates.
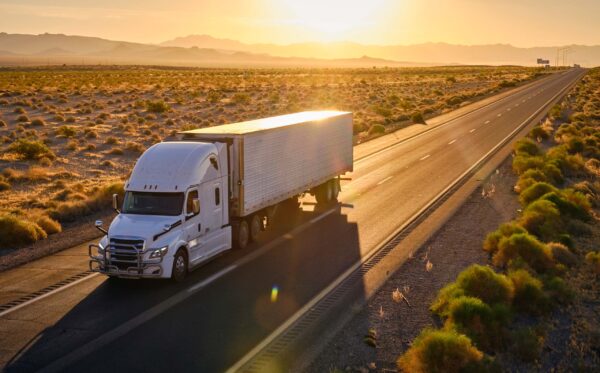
(324, 192)
(180, 266)
(241, 234)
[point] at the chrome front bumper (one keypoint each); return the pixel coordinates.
(129, 262)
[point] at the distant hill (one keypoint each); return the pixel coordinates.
(204, 50)
(24, 49)
(435, 53)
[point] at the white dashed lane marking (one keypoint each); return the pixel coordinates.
(425, 157)
(472, 130)
(452, 142)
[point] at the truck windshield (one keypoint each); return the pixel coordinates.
(148, 203)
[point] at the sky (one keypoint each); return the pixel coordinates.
(522, 23)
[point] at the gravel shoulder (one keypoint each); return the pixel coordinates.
(396, 321)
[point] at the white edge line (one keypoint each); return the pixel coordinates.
(236, 367)
(314, 220)
(425, 157)
(384, 180)
(452, 142)
(57, 290)
(212, 278)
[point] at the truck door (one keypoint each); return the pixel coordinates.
(212, 213)
(193, 225)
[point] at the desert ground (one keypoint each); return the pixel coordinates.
(70, 136)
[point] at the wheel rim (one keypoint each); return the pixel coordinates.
(243, 235)
(180, 264)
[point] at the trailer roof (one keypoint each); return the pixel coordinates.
(267, 123)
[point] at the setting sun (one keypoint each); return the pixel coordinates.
(333, 19)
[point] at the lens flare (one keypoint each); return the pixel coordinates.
(274, 293)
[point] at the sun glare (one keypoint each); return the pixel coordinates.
(332, 19)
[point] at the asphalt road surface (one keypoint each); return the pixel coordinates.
(228, 306)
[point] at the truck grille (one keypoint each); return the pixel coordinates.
(125, 253)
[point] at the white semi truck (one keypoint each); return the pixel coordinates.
(218, 187)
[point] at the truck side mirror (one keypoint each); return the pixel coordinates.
(196, 206)
(115, 203)
(98, 224)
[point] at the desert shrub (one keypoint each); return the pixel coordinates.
(538, 132)
(417, 118)
(22, 118)
(490, 244)
(535, 191)
(475, 281)
(553, 173)
(134, 147)
(101, 199)
(482, 323)
(2, 123)
(557, 289)
(116, 151)
(440, 351)
(524, 247)
(4, 185)
(157, 106)
(593, 258)
(528, 178)
(522, 163)
(542, 218)
(19, 110)
(526, 146)
(570, 203)
(30, 149)
(527, 344)
(38, 122)
(376, 129)
(575, 145)
(49, 225)
(66, 131)
(529, 293)
(15, 231)
(562, 254)
(240, 98)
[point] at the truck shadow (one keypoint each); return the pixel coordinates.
(213, 327)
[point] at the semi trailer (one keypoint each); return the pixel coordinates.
(218, 188)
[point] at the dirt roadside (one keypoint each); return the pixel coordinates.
(397, 321)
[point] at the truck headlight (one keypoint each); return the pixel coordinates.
(100, 249)
(159, 253)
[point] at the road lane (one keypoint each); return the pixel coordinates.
(219, 323)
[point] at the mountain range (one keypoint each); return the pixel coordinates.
(205, 50)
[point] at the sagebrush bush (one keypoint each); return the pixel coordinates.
(31, 149)
(529, 293)
(376, 128)
(542, 218)
(526, 147)
(527, 344)
(440, 351)
(530, 177)
(102, 199)
(593, 257)
(523, 162)
(525, 247)
(490, 244)
(482, 323)
(15, 232)
(557, 289)
(417, 118)
(49, 225)
(535, 191)
(562, 254)
(570, 203)
(475, 281)
(538, 132)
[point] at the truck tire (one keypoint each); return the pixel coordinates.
(335, 184)
(256, 226)
(324, 193)
(241, 234)
(180, 266)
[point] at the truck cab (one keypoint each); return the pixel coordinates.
(174, 214)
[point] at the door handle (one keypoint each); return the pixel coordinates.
(199, 227)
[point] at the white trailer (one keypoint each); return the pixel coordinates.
(219, 187)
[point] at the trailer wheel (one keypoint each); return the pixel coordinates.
(180, 266)
(335, 186)
(256, 226)
(241, 235)
(324, 193)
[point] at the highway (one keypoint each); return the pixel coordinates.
(230, 305)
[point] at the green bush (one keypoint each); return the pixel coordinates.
(38, 122)
(535, 191)
(437, 351)
(526, 146)
(593, 257)
(527, 248)
(557, 289)
(562, 254)
(529, 293)
(482, 323)
(157, 106)
(66, 131)
(15, 232)
(570, 203)
(538, 132)
(475, 281)
(417, 118)
(522, 163)
(542, 218)
(553, 173)
(505, 230)
(527, 345)
(376, 129)
(30, 149)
